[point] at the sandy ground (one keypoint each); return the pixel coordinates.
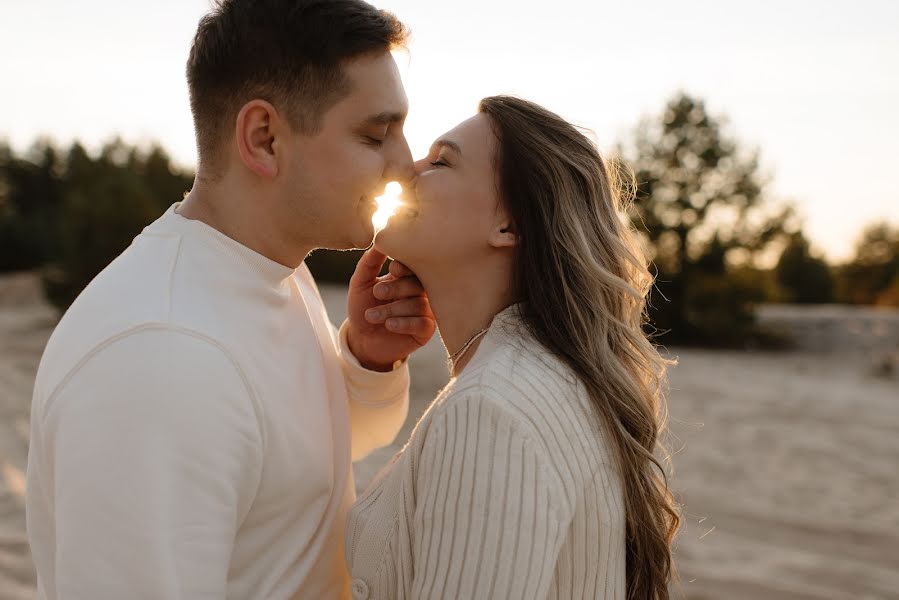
(785, 462)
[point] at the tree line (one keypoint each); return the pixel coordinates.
(700, 203)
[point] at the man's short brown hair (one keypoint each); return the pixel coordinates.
(287, 52)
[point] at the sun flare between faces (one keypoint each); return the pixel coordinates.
(387, 205)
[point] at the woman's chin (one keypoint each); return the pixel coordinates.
(390, 241)
(384, 240)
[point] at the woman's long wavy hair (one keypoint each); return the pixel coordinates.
(582, 280)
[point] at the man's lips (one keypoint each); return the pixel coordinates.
(369, 205)
(406, 209)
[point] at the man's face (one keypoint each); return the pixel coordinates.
(335, 174)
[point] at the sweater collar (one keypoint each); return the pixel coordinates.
(507, 324)
(272, 272)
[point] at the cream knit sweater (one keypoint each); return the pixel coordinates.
(193, 423)
(506, 489)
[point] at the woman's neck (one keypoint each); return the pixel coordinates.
(464, 303)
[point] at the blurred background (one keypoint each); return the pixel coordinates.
(763, 137)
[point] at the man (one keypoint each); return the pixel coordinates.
(192, 415)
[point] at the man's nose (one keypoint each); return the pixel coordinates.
(399, 162)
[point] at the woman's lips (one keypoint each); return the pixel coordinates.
(408, 207)
(407, 211)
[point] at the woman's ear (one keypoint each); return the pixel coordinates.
(503, 234)
(257, 131)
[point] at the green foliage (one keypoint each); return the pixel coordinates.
(101, 216)
(804, 278)
(719, 308)
(872, 276)
(889, 296)
(699, 200)
(73, 215)
(700, 205)
(30, 200)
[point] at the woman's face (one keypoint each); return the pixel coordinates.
(451, 211)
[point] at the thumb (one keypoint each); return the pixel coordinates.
(369, 267)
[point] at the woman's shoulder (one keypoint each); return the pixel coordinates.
(521, 384)
(515, 401)
(516, 373)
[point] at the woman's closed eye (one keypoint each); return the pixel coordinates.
(439, 163)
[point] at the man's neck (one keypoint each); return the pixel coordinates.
(247, 223)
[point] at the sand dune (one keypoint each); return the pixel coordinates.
(785, 462)
(25, 325)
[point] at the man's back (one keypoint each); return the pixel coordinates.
(190, 433)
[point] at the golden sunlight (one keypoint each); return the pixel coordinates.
(387, 205)
(15, 479)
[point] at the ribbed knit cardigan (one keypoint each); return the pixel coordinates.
(508, 488)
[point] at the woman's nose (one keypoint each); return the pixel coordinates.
(421, 166)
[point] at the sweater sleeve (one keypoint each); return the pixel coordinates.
(155, 452)
(489, 520)
(378, 402)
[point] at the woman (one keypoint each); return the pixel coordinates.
(532, 474)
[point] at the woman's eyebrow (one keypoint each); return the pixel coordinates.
(449, 144)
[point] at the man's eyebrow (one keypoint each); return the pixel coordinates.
(386, 118)
(449, 144)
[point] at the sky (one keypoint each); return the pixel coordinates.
(813, 85)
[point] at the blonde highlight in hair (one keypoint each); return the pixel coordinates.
(578, 256)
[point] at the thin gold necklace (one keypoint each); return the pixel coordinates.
(453, 358)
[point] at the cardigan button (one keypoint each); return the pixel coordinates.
(360, 590)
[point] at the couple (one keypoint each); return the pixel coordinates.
(195, 414)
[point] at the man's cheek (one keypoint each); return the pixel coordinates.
(370, 174)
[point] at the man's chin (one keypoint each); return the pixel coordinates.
(358, 241)
(365, 236)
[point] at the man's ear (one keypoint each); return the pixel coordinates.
(258, 129)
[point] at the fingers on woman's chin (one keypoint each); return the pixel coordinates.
(398, 269)
(419, 328)
(404, 325)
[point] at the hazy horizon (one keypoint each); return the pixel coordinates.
(812, 85)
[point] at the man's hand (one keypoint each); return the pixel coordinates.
(389, 317)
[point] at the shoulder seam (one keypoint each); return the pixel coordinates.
(172, 269)
(109, 341)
